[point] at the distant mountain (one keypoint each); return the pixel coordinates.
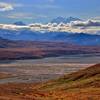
(84, 39)
(64, 20)
(19, 23)
(19, 34)
(59, 20)
(74, 38)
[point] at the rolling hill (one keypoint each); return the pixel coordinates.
(81, 85)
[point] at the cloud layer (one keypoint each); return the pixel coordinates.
(84, 24)
(89, 26)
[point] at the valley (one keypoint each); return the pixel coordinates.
(40, 70)
(49, 49)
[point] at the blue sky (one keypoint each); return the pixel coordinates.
(30, 11)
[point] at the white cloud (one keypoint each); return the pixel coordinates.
(74, 27)
(5, 6)
(12, 27)
(96, 18)
(89, 23)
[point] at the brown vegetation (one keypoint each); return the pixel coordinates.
(82, 85)
(33, 50)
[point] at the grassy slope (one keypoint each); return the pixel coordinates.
(82, 85)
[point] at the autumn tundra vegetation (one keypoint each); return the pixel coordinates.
(81, 85)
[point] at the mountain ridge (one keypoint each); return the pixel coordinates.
(74, 38)
(19, 23)
(65, 20)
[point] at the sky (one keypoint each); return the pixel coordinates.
(42, 11)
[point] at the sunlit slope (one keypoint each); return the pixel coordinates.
(81, 85)
(89, 77)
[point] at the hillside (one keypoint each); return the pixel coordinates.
(81, 85)
(84, 78)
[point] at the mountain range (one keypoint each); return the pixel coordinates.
(57, 20)
(65, 20)
(19, 23)
(20, 31)
(74, 38)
